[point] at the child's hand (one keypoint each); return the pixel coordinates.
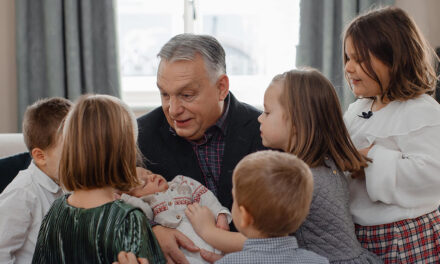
(222, 222)
(201, 218)
(365, 151)
(129, 258)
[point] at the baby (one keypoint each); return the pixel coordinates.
(165, 203)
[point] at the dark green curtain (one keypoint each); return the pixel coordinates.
(322, 24)
(65, 48)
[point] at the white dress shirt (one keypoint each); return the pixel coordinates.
(403, 181)
(23, 204)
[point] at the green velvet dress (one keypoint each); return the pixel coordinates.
(96, 235)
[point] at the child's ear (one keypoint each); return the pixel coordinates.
(39, 156)
(246, 219)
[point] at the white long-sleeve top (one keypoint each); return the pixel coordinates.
(23, 204)
(403, 180)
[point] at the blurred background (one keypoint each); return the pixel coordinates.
(69, 47)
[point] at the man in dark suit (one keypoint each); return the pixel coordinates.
(201, 131)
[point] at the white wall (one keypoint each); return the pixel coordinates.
(426, 14)
(8, 83)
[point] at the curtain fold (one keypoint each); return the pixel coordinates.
(322, 24)
(65, 48)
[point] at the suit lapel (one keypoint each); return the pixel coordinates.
(239, 143)
(180, 154)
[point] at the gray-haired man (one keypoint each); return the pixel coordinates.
(201, 130)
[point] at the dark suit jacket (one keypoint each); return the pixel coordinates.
(171, 155)
(10, 166)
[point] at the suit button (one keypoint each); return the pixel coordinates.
(178, 216)
(170, 203)
(334, 171)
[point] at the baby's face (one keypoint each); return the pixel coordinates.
(150, 183)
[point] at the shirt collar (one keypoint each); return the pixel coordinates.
(271, 244)
(221, 123)
(43, 179)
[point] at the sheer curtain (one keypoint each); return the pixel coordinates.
(322, 24)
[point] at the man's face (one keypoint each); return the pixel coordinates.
(190, 101)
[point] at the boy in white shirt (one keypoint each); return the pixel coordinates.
(29, 196)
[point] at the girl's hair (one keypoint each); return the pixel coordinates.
(391, 36)
(99, 148)
(316, 122)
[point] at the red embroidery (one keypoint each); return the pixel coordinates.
(182, 201)
(198, 192)
(161, 207)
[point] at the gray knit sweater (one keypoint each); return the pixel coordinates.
(328, 229)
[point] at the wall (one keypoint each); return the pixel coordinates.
(8, 83)
(426, 14)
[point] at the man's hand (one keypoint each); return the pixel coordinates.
(211, 257)
(169, 240)
(222, 222)
(201, 218)
(129, 258)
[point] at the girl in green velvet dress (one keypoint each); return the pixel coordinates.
(99, 156)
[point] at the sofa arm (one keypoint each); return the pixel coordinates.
(11, 144)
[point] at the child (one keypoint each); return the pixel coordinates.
(272, 193)
(99, 155)
(302, 116)
(165, 203)
(396, 124)
(29, 196)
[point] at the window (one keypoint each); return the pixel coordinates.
(259, 38)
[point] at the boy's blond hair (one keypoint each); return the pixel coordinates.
(276, 189)
(42, 120)
(99, 147)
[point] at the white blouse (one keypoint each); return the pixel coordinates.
(403, 180)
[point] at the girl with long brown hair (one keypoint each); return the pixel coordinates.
(302, 116)
(396, 123)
